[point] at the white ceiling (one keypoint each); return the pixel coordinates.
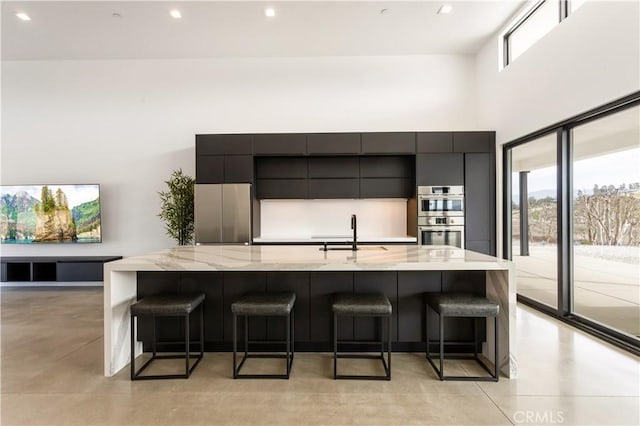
(87, 29)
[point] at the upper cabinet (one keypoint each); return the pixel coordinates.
(439, 169)
(333, 143)
(434, 142)
(473, 141)
(224, 145)
(389, 143)
(280, 144)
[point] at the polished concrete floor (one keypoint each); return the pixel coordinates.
(51, 374)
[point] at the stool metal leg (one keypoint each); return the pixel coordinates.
(186, 345)
(235, 345)
(496, 356)
(389, 348)
(288, 320)
(133, 350)
(335, 346)
(441, 322)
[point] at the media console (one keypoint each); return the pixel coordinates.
(53, 268)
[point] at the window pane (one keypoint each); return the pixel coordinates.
(534, 28)
(535, 246)
(606, 221)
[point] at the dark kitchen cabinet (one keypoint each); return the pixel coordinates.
(483, 247)
(282, 188)
(236, 284)
(389, 143)
(280, 144)
(74, 271)
(210, 169)
(281, 168)
(191, 282)
(224, 169)
(386, 166)
(412, 285)
(434, 142)
(224, 145)
(386, 188)
(334, 167)
(385, 282)
(238, 169)
(440, 169)
(323, 286)
(333, 143)
(298, 283)
(473, 141)
(334, 188)
(479, 200)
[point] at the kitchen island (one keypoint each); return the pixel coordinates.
(225, 272)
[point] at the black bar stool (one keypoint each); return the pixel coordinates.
(265, 305)
(366, 305)
(448, 305)
(167, 305)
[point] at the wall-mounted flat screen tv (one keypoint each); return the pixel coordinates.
(35, 214)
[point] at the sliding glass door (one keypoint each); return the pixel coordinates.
(534, 242)
(606, 220)
(572, 220)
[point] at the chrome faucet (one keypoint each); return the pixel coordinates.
(354, 226)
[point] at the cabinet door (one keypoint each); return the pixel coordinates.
(281, 168)
(224, 144)
(376, 282)
(386, 188)
(386, 166)
(483, 247)
(281, 188)
(323, 286)
(210, 169)
(389, 143)
(280, 144)
(333, 143)
(298, 283)
(238, 169)
(473, 141)
(479, 200)
(235, 285)
(412, 286)
(440, 169)
(209, 283)
(334, 167)
(334, 188)
(79, 271)
(434, 142)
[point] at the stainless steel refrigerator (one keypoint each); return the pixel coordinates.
(222, 213)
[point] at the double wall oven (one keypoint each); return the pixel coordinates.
(441, 215)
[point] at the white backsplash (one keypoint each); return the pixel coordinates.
(324, 218)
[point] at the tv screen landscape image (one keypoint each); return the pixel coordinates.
(34, 214)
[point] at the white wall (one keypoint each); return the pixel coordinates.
(589, 59)
(127, 124)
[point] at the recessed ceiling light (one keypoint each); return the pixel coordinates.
(270, 12)
(176, 14)
(116, 15)
(445, 9)
(23, 16)
(383, 11)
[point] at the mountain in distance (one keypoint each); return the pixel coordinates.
(17, 215)
(87, 216)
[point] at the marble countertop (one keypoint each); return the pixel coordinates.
(335, 239)
(409, 257)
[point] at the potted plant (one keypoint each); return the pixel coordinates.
(177, 207)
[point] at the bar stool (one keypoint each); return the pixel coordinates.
(366, 305)
(167, 305)
(265, 305)
(448, 305)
